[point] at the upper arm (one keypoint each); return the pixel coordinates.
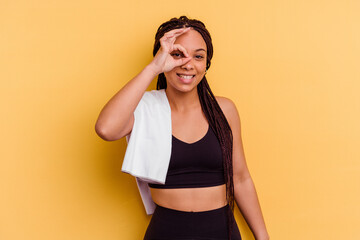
(128, 126)
(113, 136)
(240, 169)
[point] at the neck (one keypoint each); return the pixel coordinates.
(182, 101)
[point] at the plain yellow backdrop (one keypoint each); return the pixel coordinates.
(291, 67)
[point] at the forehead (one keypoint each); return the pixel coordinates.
(191, 40)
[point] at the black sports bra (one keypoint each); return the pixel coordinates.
(197, 164)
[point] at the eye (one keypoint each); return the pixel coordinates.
(199, 57)
(177, 55)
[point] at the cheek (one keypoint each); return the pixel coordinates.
(169, 74)
(201, 67)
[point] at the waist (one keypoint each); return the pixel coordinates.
(190, 199)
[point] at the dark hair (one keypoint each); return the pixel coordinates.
(209, 105)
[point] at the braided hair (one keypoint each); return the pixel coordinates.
(209, 105)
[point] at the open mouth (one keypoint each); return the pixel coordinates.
(185, 76)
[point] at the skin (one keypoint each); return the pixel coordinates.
(189, 124)
(180, 54)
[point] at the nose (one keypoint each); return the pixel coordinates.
(188, 66)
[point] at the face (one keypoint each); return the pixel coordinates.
(186, 77)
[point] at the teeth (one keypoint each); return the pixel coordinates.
(186, 77)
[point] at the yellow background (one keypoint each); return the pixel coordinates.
(291, 67)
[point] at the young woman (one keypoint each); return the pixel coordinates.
(207, 171)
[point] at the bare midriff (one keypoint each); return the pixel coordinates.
(190, 199)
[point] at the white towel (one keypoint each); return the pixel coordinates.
(148, 152)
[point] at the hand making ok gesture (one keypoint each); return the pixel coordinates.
(163, 61)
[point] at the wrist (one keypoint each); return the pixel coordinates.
(153, 69)
(262, 237)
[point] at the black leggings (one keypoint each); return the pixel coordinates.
(171, 224)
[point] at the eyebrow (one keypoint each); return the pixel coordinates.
(200, 49)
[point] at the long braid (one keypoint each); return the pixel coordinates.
(223, 132)
(210, 107)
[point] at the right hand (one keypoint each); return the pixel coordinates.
(163, 61)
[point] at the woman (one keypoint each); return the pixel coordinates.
(207, 170)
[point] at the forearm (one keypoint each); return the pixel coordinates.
(118, 110)
(248, 203)
(116, 118)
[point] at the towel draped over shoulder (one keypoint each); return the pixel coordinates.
(148, 151)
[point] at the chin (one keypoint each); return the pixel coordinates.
(186, 89)
(183, 88)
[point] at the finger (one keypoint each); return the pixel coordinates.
(177, 30)
(182, 61)
(170, 37)
(184, 30)
(175, 33)
(181, 48)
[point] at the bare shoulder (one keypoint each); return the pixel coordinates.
(229, 109)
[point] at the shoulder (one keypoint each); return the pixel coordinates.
(229, 109)
(153, 96)
(154, 93)
(226, 104)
